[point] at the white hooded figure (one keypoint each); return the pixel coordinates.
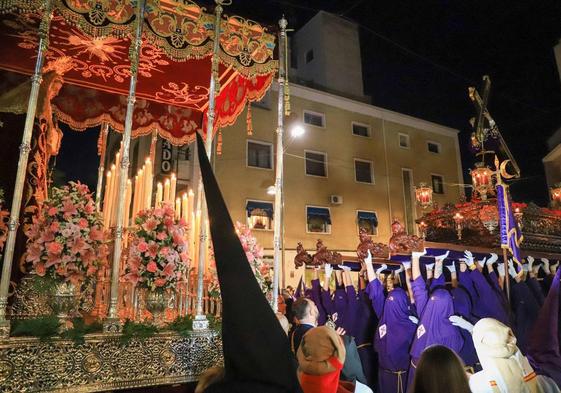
(505, 368)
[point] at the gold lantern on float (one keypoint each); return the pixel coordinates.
(482, 180)
(459, 220)
(423, 194)
(556, 194)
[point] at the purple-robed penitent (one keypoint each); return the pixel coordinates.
(351, 310)
(489, 302)
(315, 295)
(543, 341)
(393, 336)
(365, 323)
(525, 308)
(463, 306)
(434, 326)
(340, 305)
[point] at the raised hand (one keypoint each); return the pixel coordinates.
(381, 269)
(461, 323)
(468, 257)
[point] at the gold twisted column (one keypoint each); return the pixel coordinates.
(112, 324)
(277, 218)
(22, 166)
(201, 322)
(104, 131)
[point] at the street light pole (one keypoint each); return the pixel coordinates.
(277, 218)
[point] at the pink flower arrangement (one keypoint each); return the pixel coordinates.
(254, 254)
(157, 257)
(66, 240)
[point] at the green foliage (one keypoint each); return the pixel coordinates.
(44, 328)
(80, 329)
(215, 323)
(43, 285)
(182, 325)
(140, 331)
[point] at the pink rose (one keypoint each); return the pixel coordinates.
(54, 248)
(142, 246)
(89, 208)
(96, 234)
(152, 267)
(164, 251)
(52, 211)
(91, 271)
(83, 223)
(161, 236)
(55, 226)
(160, 282)
(159, 212)
(184, 257)
(40, 269)
(150, 225)
(249, 256)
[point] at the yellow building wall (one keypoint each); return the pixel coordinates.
(239, 182)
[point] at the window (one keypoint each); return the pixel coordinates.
(259, 215)
(318, 219)
(314, 118)
(309, 56)
(437, 184)
(433, 147)
(316, 164)
(361, 129)
(363, 171)
(368, 221)
(259, 155)
(404, 141)
(407, 177)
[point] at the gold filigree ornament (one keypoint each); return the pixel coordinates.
(167, 357)
(6, 369)
(91, 363)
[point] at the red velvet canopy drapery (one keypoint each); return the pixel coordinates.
(175, 62)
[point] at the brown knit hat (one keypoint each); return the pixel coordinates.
(318, 345)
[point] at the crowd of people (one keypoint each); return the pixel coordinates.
(438, 326)
(443, 326)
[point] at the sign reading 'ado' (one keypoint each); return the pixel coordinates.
(165, 165)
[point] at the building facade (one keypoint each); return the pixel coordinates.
(357, 165)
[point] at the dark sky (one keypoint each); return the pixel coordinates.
(419, 57)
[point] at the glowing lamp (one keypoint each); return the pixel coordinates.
(423, 194)
(482, 179)
(458, 219)
(556, 194)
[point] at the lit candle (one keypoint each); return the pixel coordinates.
(140, 205)
(172, 188)
(177, 208)
(107, 200)
(114, 194)
(191, 204)
(184, 207)
(127, 212)
(148, 175)
(135, 197)
(166, 191)
(159, 194)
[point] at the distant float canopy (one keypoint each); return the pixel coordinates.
(174, 70)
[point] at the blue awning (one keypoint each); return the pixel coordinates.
(319, 212)
(369, 216)
(267, 207)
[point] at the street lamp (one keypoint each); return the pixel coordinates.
(297, 131)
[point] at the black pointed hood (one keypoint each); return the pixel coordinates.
(256, 350)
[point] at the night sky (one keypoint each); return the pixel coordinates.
(419, 58)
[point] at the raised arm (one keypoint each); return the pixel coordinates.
(418, 285)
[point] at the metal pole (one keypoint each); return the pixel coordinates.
(277, 256)
(507, 276)
(201, 322)
(112, 324)
(104, 131)
(22, 166)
